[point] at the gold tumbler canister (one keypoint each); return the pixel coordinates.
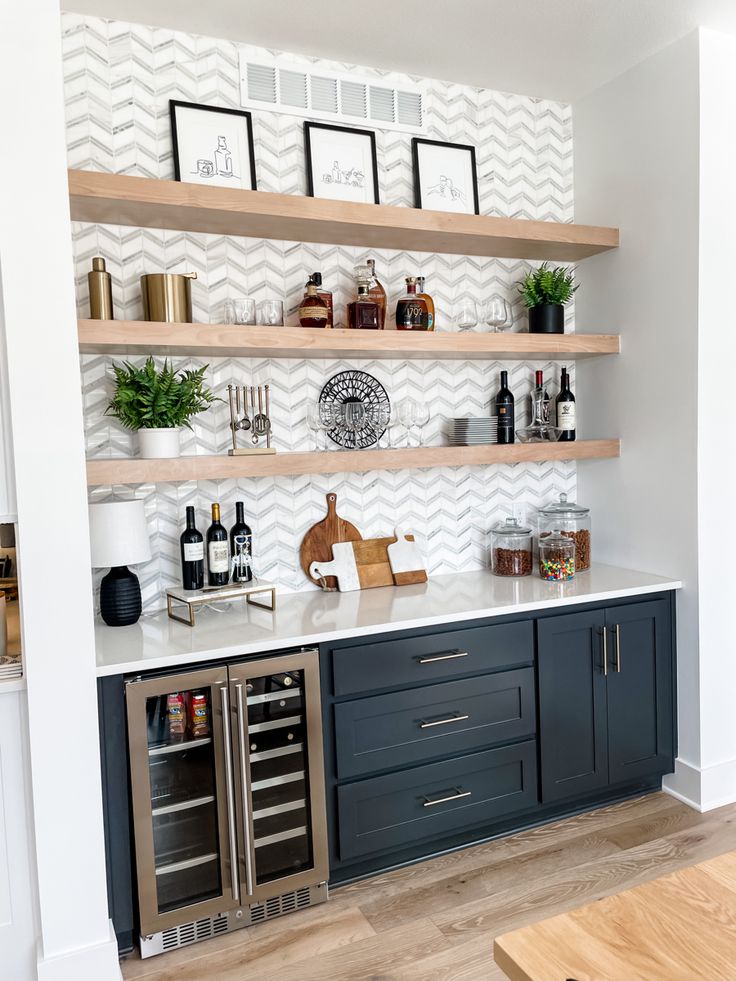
(167, 297)
(100, 291)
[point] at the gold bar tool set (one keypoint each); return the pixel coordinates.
(254, 423)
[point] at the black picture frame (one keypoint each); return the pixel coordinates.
(353, 131)
(416, 167)
(175, 104)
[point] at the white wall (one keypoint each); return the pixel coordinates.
(716, 450)
(636, 166)
(53, 547)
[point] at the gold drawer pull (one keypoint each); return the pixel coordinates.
(443, 722)
(459, 792)
(442, 657)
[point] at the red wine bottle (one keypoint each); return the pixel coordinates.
(505, 411)
(192, 554)
(241, 546)
(218, 553)
(565, 405)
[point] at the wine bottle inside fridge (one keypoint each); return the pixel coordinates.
(218, 553)
(566, 409)
(241, 547)
(192, 554)
(504, 404)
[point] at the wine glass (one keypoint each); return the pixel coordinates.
(407, 416)
(327, 416)
(314, 421)
(354, 419)
(496, 313)
(465, 314)
(379, 419)
(422, 418)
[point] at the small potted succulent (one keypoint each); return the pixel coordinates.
(545, 292)
(158, 403)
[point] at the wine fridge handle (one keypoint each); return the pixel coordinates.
(234, 883)
(243, 746)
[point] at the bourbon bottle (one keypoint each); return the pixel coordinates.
(377, 293)
(428, 300)
(316, 278)
(313, 309)
(363, 312)
(412, 312)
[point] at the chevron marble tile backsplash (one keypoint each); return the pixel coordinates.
(119, 78)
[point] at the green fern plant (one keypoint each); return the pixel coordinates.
(146, 398)
(545, 285)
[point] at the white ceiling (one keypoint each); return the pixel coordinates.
(558, 49)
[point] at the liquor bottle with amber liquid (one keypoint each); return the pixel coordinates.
(325, 295)
(412, 312)
(377, 293)
(363, 313)
(428, 300)
(313, 309)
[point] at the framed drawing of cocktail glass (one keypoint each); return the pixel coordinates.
(212, 145)
(445, 177)
(341, 163)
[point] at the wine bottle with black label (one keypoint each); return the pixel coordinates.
(505, 411)
(241, 546)
(566, 409)
(192, 554)
(218, 553)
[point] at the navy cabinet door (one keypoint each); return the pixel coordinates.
(572, 705)
(640, 691)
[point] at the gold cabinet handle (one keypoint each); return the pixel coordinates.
(443, 722)
(604, 635)
(442, 657)
(459, 793)
(617, 634)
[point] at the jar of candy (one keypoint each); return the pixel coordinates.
(511, 549)
(557, 556)
(572, 520)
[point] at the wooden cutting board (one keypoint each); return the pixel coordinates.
(406, 563)
(369, 560)
(318, 541)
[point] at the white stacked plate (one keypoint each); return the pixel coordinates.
(472, 430)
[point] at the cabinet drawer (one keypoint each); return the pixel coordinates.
(409, 727)
(437, 799)
(435, 657)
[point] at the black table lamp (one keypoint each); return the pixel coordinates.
(119, 538)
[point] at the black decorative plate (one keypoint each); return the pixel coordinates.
(355, 386)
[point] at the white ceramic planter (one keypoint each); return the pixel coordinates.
(157, 444)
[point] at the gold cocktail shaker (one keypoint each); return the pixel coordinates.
(100, 291)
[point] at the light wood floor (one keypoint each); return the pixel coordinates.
(436, 921)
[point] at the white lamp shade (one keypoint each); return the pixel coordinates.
(118, 534)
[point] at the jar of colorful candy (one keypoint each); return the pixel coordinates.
(557, 557)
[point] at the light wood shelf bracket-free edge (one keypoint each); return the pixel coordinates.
(146, 203)
(221, 340)
(116, 470)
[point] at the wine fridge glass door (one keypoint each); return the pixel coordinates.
(279, 773)
(184, 816)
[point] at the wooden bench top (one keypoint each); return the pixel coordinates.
(681, 927)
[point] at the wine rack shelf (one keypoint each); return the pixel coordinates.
(145, 203)
(212, 340)
(112, 470)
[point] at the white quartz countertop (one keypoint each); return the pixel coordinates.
(313, 617)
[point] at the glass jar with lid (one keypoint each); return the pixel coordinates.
(511, 549)
(572, 520)
(557, 556)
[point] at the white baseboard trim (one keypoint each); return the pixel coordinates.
(703, 788)
(97, 963)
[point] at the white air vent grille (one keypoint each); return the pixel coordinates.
(290, 84)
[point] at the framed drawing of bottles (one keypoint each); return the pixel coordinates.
(213, 145)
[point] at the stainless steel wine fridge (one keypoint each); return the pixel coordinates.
(228, 796)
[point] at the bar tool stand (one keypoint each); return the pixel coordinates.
(254, 425)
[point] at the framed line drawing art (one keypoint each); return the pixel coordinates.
(212, 145)
(341, 163)
(445, 176)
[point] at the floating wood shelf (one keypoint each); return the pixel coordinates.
(135, 471)
(121, 200)
(212, 340)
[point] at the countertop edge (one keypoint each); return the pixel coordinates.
(328, 635)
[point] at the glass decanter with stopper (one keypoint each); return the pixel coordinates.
(363, 312)
(540, 429)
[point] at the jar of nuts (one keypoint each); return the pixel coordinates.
(571, 520)
(557, 557)
(511, 549)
